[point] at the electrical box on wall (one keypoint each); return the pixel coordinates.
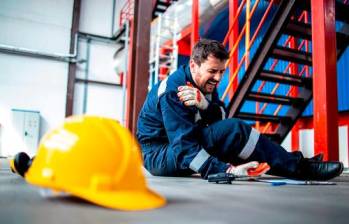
(27, 127)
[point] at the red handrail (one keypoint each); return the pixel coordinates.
(248, 47)
(261, 22)
(231, 27)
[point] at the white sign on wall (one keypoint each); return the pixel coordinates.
(27, 128)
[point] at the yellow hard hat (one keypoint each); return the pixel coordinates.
(96, 159)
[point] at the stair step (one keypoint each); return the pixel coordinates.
(160, 7)
(282, 78)
(276, 99)
(303, 30)
(292, 55)
(263, 117)
(298, 29)
(159, 10)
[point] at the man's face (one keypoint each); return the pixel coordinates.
(208, 74)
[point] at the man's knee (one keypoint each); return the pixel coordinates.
(226, 139)
(238, 126)
(157, 171)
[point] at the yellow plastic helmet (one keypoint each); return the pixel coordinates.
(96, 159)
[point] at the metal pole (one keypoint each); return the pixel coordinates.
(174, 64)
(325, 78)
(72, 66)
(247, 33)
(113, 19)
(139, 69)
(157, 51)
(87, 70)
(195, 23)
(127, 27)
(233, 7)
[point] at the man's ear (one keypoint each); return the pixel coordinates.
(193, 66)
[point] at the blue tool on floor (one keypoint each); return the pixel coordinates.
(279, 182)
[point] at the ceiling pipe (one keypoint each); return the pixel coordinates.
(8, 49)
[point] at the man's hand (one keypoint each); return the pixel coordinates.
(251, 169)
(191, 96)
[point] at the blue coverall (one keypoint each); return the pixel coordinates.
(177, 140)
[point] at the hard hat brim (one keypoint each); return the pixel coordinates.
(123, 200)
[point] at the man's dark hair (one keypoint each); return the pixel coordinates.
(205, 47)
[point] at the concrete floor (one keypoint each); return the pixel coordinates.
(190, 200)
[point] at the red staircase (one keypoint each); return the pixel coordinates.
(290, 19)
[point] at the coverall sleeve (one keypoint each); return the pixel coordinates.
(214, 112)
(183, 137)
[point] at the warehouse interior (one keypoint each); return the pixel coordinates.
(286, 76)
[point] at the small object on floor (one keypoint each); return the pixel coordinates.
(278, 182)
(20, 163)
(221, 178)
(245, 171)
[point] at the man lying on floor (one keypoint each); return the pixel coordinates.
(182, 128)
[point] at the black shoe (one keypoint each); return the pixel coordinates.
(318, 158)
(20, 163)
(314, 170)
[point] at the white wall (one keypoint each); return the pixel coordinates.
(287, 143)
(96, 17)
(306, 143)
(100, 61)
(39, 84)
(36, 24)
(30, 83)
(101, 99)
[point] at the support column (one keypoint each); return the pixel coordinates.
(139, 64)
(295, 137)
(195, 23)
(233, 7)
(294, 93)
(325, 78)
(72, 65)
